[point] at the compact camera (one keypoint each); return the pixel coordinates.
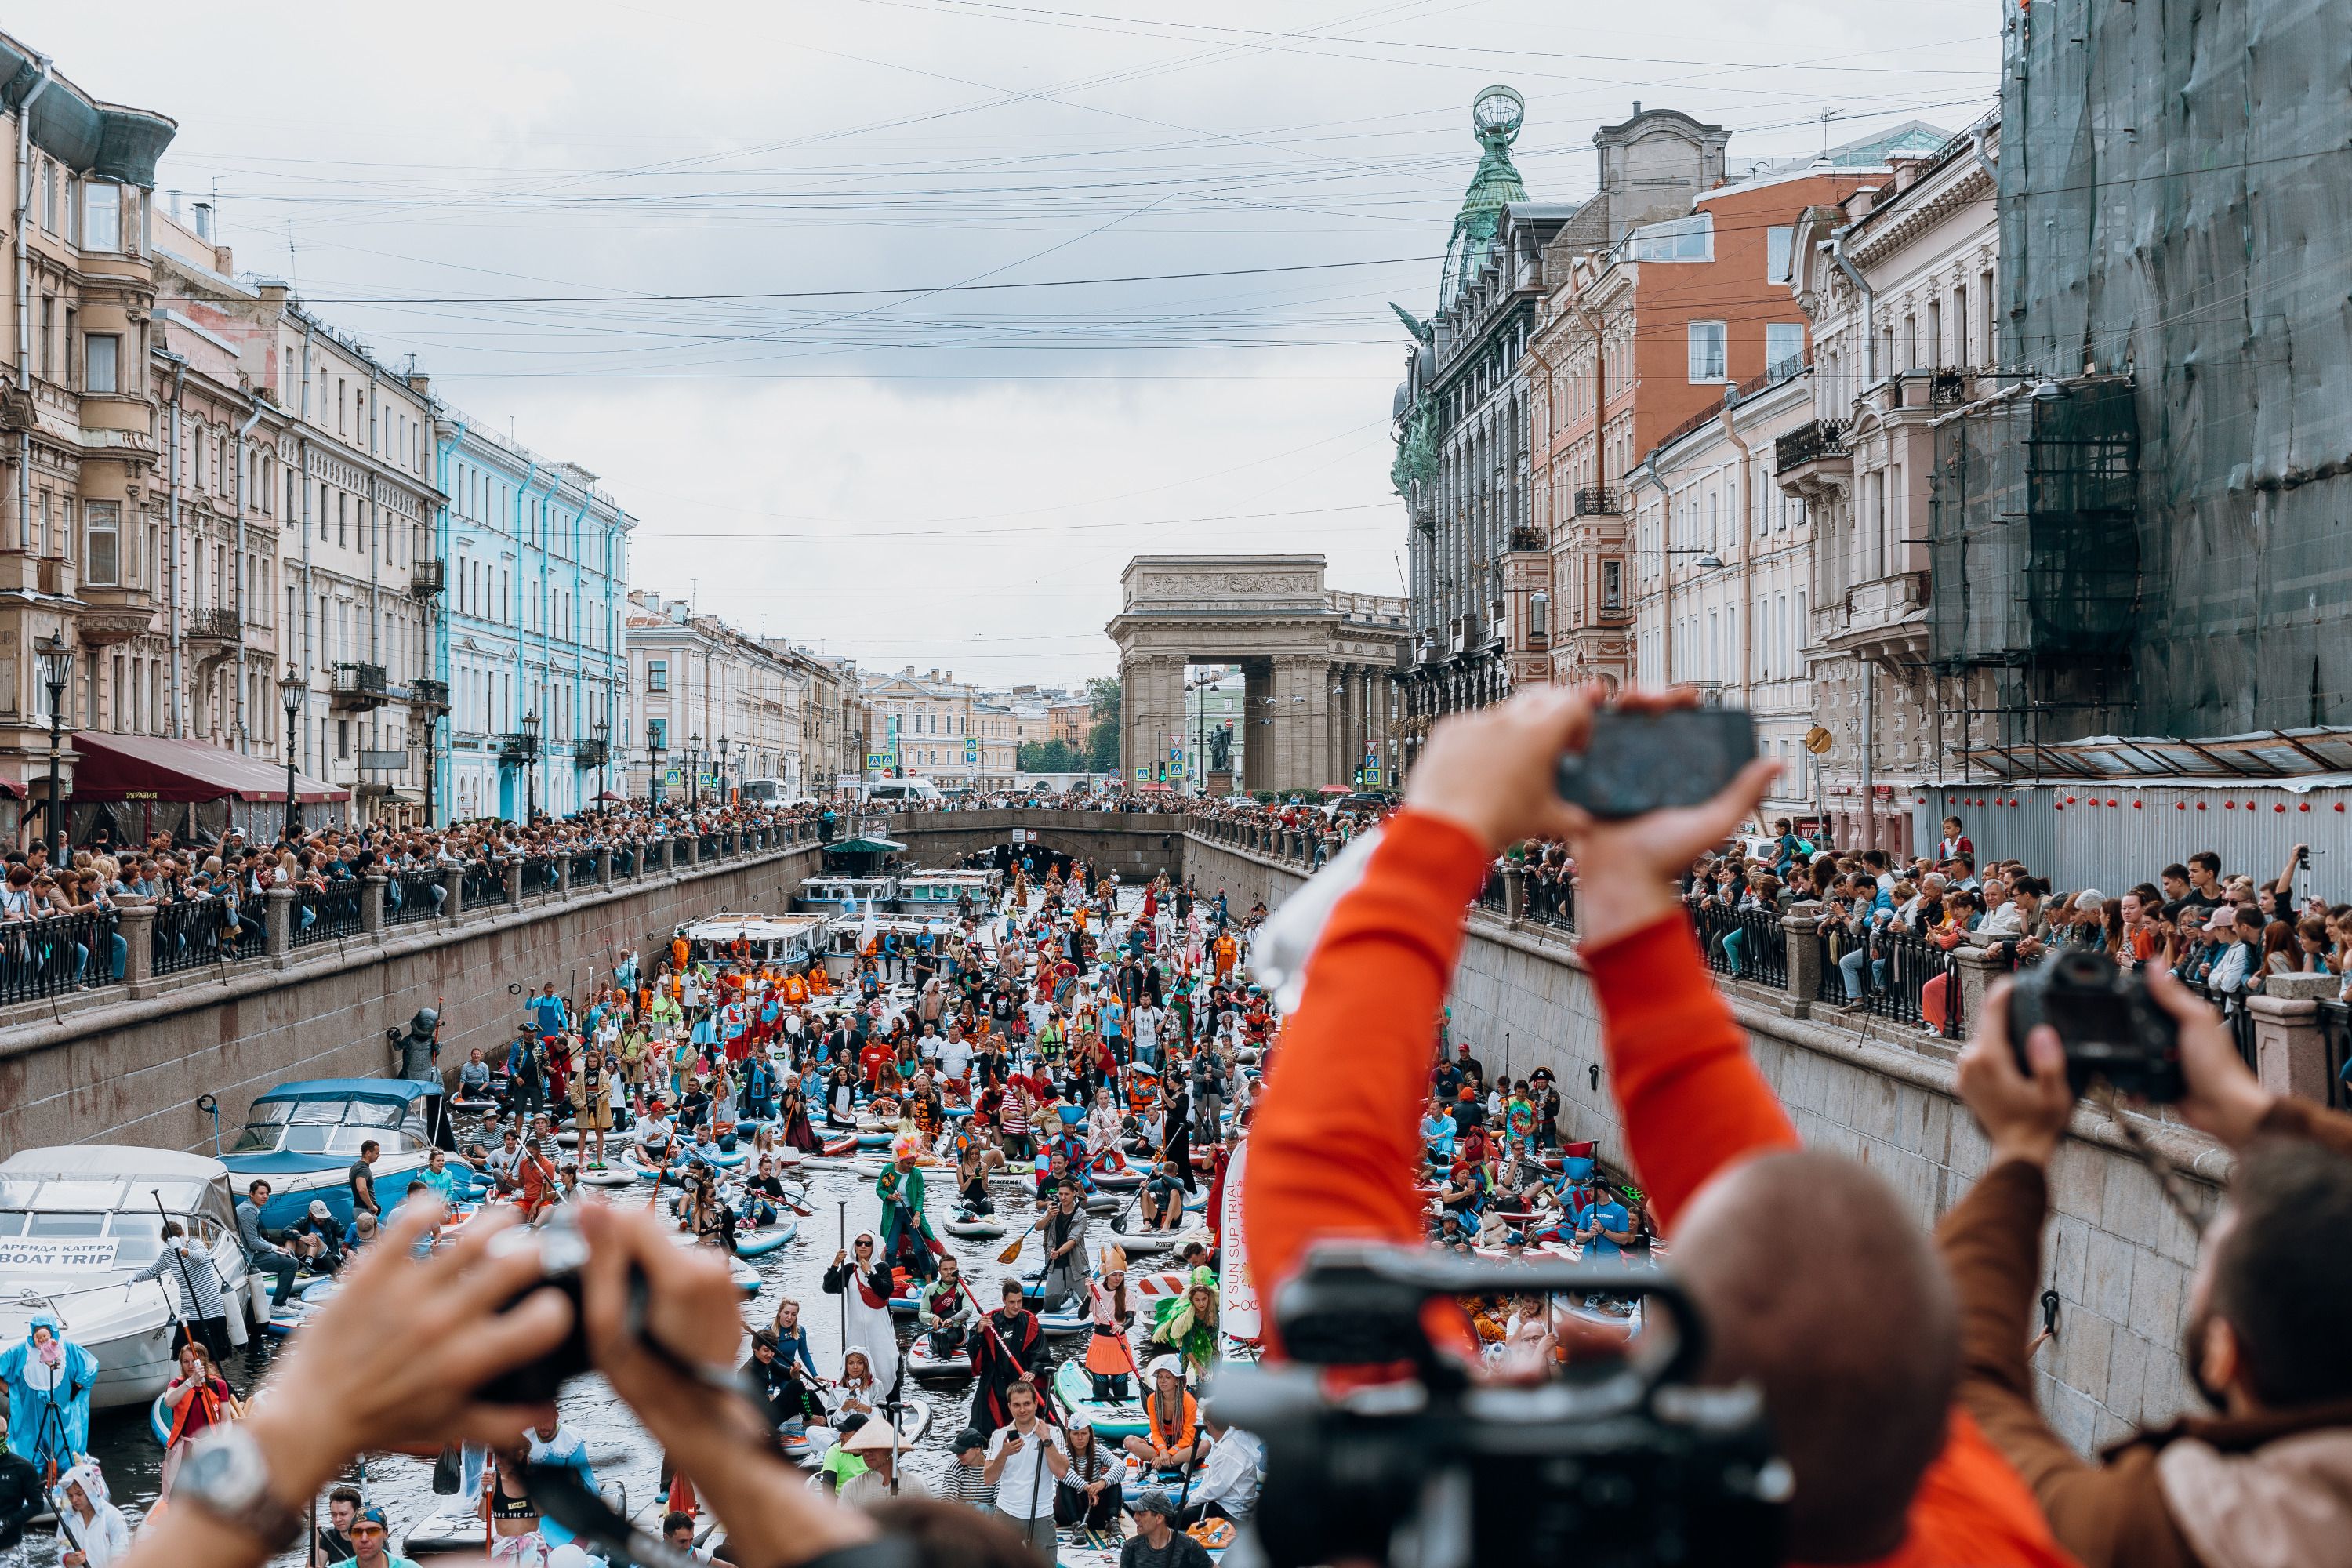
(2110, 1025)
(563, 1253)
(1623, 1461)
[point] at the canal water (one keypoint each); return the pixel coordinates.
(620, 1450)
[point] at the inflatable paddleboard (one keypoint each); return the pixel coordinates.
(760, 1243)
(982, 1226)
(1114, 1420)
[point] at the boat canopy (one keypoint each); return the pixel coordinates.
(113, 1178)
(866, 845)
(398, 1090)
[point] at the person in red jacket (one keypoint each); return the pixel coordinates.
(1811, 1278)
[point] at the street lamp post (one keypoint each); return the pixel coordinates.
(529, 767)
(603, 754)
(722, 772)
(57, 674)
(291, 690)
(653, 772)
(694, 769)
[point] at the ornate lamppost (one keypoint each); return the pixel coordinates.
(604, 733)
(57, 674)
(653, 774)
(291, 690)
(529, 767)
(722, 772)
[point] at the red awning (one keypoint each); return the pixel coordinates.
(14, 788)
(152, 767)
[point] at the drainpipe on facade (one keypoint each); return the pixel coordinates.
(1648, 471)
(1869, 674)
(309, 333)
(1746, 543)
(24, 300)
(171, 555)
(244, 740)
(375, 542)
(1869, 309)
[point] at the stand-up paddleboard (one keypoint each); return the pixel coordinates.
(1114, 1419)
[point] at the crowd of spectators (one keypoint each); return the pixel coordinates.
(2227, 934)
(236, 873)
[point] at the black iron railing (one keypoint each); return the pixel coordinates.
(1746, 945)
(1551, 902)
(188, 934)
(325, 914)
(709, 849)
(55, 955)
(412, 895)
(1809, 442)
(483, 884)
(583, 870)
(1490, 892)
(2336, 1045)
(2231, 1005)
(1598, 501)
(539, 875)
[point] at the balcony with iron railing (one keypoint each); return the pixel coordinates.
(1596, 500)
(1815, 441)
(219, 623)
(358, 686)
(1525, 538)
(427, 578)
(429, 696)
(590, 754)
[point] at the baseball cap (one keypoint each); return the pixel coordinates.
(319, 1209)
(1154, 1501)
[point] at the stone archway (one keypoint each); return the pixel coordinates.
(1318, 666)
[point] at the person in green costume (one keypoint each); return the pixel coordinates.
(907, 1238)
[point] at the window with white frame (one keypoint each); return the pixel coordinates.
(1688, 238)
(101, 216)
(1784, 347)
(101, 361)
(1706, 351)
(103, 520)
(1780, 255)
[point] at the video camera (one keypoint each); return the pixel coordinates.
(1621, 1462)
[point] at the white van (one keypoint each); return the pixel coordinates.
(892, 792)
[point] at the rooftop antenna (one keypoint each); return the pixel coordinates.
(1827, 115)
(293, 262)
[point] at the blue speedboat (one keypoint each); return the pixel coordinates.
(303, 1137)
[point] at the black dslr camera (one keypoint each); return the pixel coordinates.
(2110, 1025)
(1621, 1463)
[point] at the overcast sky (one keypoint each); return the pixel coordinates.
(873, 446)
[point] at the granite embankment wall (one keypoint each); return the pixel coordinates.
(2116, 1252)
(132, 1070)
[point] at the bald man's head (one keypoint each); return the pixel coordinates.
(1815, 1283)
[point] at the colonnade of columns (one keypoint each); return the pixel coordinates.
(1306, 721)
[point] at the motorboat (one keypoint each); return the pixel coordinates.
(840, 895)
(302, 1137)
(925, 892)
(786, 940)
(76, 1223)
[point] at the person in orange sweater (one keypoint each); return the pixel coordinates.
(1813, 1280)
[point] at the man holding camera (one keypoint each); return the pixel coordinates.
(2268, 1479)
(1845, 1322)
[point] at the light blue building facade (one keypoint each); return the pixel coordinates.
(528, 633)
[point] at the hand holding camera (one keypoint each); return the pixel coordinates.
(2044, 1036)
